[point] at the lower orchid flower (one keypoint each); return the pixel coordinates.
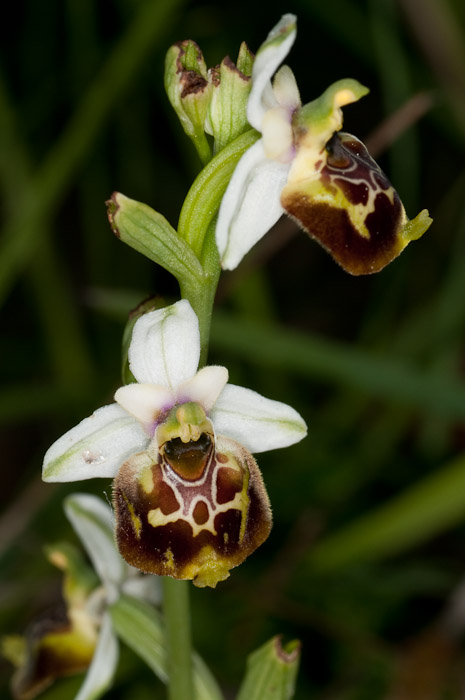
(83, 638)
(189, 498)
(304, 166)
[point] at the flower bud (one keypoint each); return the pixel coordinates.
(188, 88)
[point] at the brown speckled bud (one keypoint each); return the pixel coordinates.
(349, 206)
(194, 510)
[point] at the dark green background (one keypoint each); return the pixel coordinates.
(368, 548)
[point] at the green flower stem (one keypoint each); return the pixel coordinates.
(178, 638)
(201, 296)
(197, 227)
(203, 199)
(175, 593)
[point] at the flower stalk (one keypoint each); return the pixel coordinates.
(176, 608)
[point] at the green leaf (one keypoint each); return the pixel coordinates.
(140, 626)
(149, 233)
(271, 672)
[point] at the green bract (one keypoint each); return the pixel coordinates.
(271, 672)
(227, 110)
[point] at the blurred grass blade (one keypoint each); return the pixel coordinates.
(141, 627)
(54, 176)
(394, 71)
(271, 672)
(349, 15)
(309, 356)
(423, 511)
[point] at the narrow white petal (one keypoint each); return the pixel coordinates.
(102, 669)
(96, 447)
(251, 204)
(205, 387)
(92, 520)
(145, 401)
(271, 53)
(258, 423)
(165, 346)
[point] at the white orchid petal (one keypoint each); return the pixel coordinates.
(269, 56)
(102, 669)
(256, 422)
(285, 89)
(145, 401)
(278, 137)
(251, 204)
(92, 521)
(96, 447)
(165, 346)
(205, 387)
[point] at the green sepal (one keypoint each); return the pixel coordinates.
(141, 627)
(144, 307)
(189, 91)
(245, 60)
(149, 233)
(323, 116)
(271, 671)
(227, 110)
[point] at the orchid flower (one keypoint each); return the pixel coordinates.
(85, 639)
(304, 166)
(188, 496)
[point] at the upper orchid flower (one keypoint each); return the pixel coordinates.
(189, 499)
(302, 165)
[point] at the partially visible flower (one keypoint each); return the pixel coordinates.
(189, 498)
(80, 637)
(325, 180)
